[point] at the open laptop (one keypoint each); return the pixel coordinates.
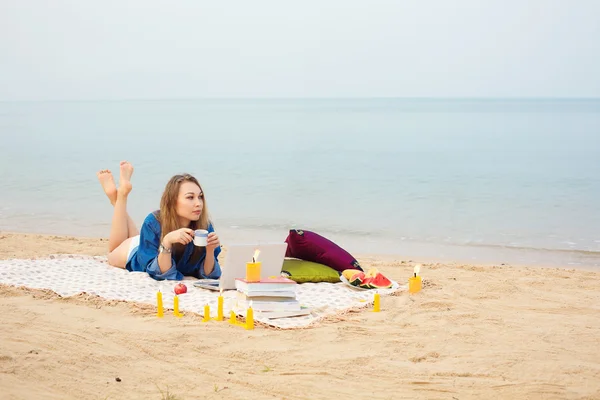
(234, 266)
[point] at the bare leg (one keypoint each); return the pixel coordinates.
(110, 189)
(118, 257)
(119, 230)
(108, 185)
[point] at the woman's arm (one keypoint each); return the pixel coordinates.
(158, 265)
(165, 259)
(209, 262)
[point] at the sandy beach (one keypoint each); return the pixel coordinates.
(473, 332)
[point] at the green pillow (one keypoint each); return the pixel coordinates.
(302, 271)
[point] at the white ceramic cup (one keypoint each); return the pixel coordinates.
(200, 237)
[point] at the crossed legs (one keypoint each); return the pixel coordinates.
(122, 228)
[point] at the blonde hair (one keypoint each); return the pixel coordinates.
(167, 216)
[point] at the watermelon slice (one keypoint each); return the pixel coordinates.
(366, 283)
(380, 282)
(357, 278)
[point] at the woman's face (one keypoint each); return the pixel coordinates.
(190, 202)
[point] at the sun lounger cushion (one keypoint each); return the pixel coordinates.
(302, 271)
(310, 246)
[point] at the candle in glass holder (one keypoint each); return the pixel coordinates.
(253, 271)
(414, 282)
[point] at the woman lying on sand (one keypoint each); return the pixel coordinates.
(164, 248)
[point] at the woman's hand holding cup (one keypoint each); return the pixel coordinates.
(212, 241)
(183, 236)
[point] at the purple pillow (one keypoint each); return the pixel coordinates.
(309, 246)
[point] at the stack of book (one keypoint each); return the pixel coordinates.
(274, 295)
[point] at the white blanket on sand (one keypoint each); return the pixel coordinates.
(69, 275)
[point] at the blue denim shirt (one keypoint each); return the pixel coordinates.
(146, 257)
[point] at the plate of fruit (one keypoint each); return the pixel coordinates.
(372, 279)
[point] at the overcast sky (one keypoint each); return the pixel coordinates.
(125, 49)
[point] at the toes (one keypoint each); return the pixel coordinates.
(126, 170)
(105, 176)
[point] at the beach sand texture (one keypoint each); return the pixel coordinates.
(473, 332)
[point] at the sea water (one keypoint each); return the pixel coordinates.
(514, 181)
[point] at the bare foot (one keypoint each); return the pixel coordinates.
(125, 179)
(108, 184)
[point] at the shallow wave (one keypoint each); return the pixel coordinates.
(386, 236)
(531, 248)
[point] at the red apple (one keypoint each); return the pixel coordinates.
(180, 288)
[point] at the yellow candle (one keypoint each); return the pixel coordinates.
(414, 284)
(232, 318)
(376, 303)
(159, 304)
(250, 318)
(220, 307)
(206, 314)
(253, 271)
(176, 307)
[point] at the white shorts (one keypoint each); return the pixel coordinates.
(133, 246)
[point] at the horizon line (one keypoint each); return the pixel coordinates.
(412, 98)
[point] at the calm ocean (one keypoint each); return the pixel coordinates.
(506, 181)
